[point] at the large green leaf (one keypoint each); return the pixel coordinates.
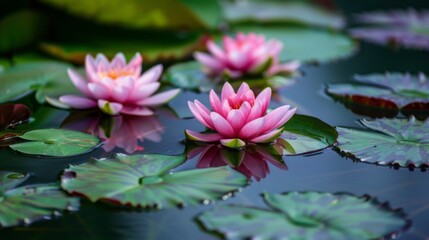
(189, 75)
(307, 215)
(161, 46)
(390, 91)
(56, 142)
(145, 181)
(305, 44)
(281, 11)
(305, 134)
(45, 78)
(145, 14)
(403, 142)
(24, 205)
(20, 29)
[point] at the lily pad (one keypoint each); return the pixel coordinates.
(162, 46)
(189, 75)
(391, 91)
(44, 78)
(24, 205)
(404, 28)
(281, 12)
(400, 142)
(145, 14)
(306, 215)
(145, 181)
(305, 134)
(13, 114)
(56, 143)
(306, 44)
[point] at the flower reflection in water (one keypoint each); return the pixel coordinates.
(252, 160)
(124, 131)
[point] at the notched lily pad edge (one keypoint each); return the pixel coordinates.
(394, 165)
(383, 205)
(68, 175)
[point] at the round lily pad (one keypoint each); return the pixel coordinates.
(145, 181)
(306, 215)
(390, 91)
(400, 142)
(24, 205)
(305, 134)
(306, 44)
(13, 114)
(56, 143)
(403, 28)
(281, 12)
(189, 75)
(45, 78)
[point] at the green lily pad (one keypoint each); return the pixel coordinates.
(20, 29)
(145, 181)
(56, 143)
(306, 215)
(162, 46)
(24, 205)
(305, 44)
(305, 134)
(189, 75)
(165, 14)
(44, 78)
(281, 12)
(391, 91)
(400, 142)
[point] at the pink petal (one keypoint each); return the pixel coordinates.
(285, 118)
(215, 101)
(99, 90)
(225, 108)
(238, 59)
(79, 82)
(222, 126)
(227, 91)
(228, 43)
(198, 116)
(136, 111)
(136, 64)
(283, 68)
(118, 61)
(264, 97)
(216, 50)
(110, 108)
(252, 129)
(202, 137)
(274, 117)
(90, 67)
(78, 102)
(243, 90)
(204, 112)
(245, 108)
(267, 137)
(208, 61)
(255, 112)
(143, 91)
(151, 75)
(236, 119)
(160, 98)
(120, 93)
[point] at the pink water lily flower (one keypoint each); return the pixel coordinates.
(244, 55)
(239, 118)
(117, 87)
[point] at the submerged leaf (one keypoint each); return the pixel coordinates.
(405, 28)
(145, 181)
(45, 78)
(56, 143)
(305, 44)
(390, 91)
(13, 114)
(306, 215)
(281, 11)
(387, 142)
(24, 205)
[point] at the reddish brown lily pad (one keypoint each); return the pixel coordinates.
(13, 114)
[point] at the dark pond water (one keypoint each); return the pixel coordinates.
(326, 171)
